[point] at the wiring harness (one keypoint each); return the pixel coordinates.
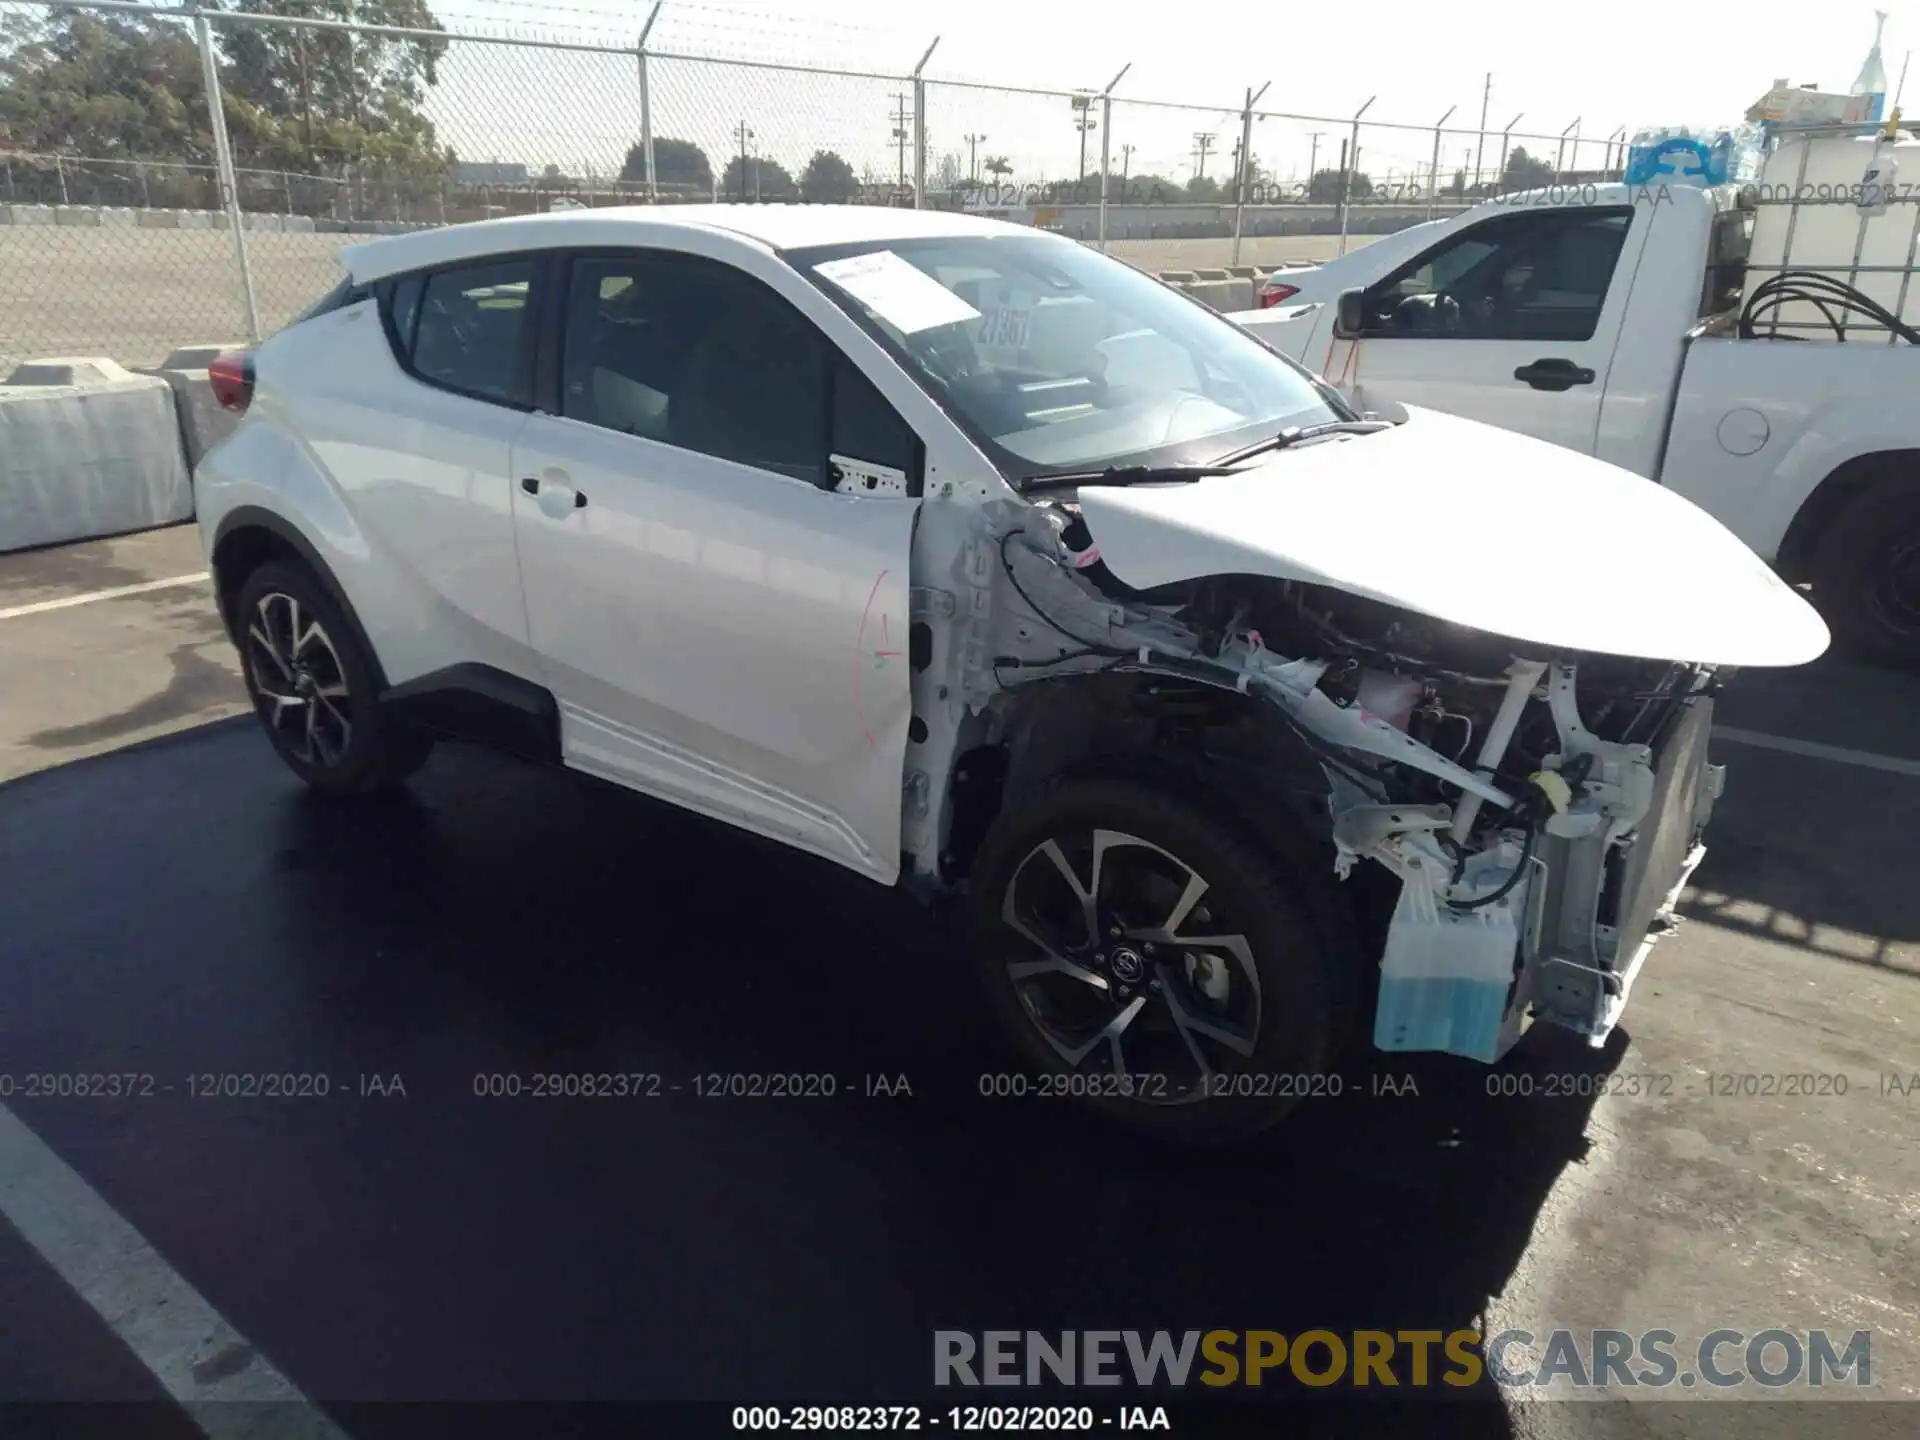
(1827, 294)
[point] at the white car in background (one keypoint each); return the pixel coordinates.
(976, 562)
(1321, 284)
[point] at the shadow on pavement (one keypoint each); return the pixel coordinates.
(182, 909)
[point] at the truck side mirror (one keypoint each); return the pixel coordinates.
(1350, 314)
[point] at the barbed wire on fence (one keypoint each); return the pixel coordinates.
(145, 213)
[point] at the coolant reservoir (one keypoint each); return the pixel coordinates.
(1827, 224)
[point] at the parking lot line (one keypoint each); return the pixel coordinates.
(199, 1359)
(1786, 745)
(64, 601)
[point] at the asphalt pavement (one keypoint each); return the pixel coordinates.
(176, 910)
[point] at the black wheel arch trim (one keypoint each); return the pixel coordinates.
(253, 517)
(483, 704)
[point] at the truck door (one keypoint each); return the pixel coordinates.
(1512, 321)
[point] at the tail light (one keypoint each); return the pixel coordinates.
(231, 376)
(1274, 293)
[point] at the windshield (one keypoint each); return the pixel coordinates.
(1053, 357)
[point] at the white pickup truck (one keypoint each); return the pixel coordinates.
(1606, 318)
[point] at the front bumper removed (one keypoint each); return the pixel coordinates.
(1566, 942)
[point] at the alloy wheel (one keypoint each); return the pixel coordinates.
(1136, 968)
(300, 687)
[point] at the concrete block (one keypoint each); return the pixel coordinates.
(1211, 275)
(85, 215)
(299, 224)
(203, 424)
(157, 219)
(31, 214)
(118, 217)
(196, 219)
(1240, 293)
(1178, 277)
(1244, 272)
(258, 220)
(1219, 294)
(87, 448)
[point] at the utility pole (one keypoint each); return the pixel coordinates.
(1486, 94)
(1083, 121)
(1126, 164)
(901, 133)
(743, 135)
(973, 169)
(1313, 158)
(1203, 143)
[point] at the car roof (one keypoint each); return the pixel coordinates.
(778, 227)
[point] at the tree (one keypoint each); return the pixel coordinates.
(1146, 189)
(1203, 187)
(996, 166)
(1459, 184)
(323, 100)
(677, 165)
(1525, 172)
(949, 172)
(106, 85)
(828, 180)
(755, 178)
(1324, 187)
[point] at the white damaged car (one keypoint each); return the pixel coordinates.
(1235, 726)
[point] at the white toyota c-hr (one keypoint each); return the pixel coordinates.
(977, 562)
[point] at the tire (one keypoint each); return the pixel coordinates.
(317, 695)
(1285, 995)
(1866, 574)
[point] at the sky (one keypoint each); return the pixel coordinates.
(1624, 63)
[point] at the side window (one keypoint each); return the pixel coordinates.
(469, 326)
(698, 355)
(1542, 275)
(866, 427)
(403, 310)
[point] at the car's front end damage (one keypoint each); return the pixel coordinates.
(1531, 809)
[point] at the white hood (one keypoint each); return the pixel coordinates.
(1478, 526)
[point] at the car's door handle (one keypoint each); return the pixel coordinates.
(1554, 374)
(530, 484)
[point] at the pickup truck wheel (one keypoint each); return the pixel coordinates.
(1152, 963)
(314, 690)
(1866, 574)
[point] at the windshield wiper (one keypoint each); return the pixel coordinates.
(1122, 475)
(1294, 434)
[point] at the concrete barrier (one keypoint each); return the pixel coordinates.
(30, 214)
(87, 449)
(118, 218)
(157, 219)
(86, 215)
(203, 424)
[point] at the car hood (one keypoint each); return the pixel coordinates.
(1478, 526)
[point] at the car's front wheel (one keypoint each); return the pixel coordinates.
(314, 689)
(1152, 962)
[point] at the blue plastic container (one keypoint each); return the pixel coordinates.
(1680, 160)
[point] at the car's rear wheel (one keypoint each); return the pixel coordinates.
(1866, 574)
(314, 688)
(1153, 963)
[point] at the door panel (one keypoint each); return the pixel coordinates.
(724, 637)
(425, 472)
(1512, 322)
(720, 626)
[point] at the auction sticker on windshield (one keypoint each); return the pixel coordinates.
(907, 299)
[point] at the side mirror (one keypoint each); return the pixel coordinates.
(1350, 314)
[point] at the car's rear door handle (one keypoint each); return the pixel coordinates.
(1554, 374)
(552, 498)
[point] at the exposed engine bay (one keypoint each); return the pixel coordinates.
(1540, 811)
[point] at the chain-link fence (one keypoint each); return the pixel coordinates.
(139, 218)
